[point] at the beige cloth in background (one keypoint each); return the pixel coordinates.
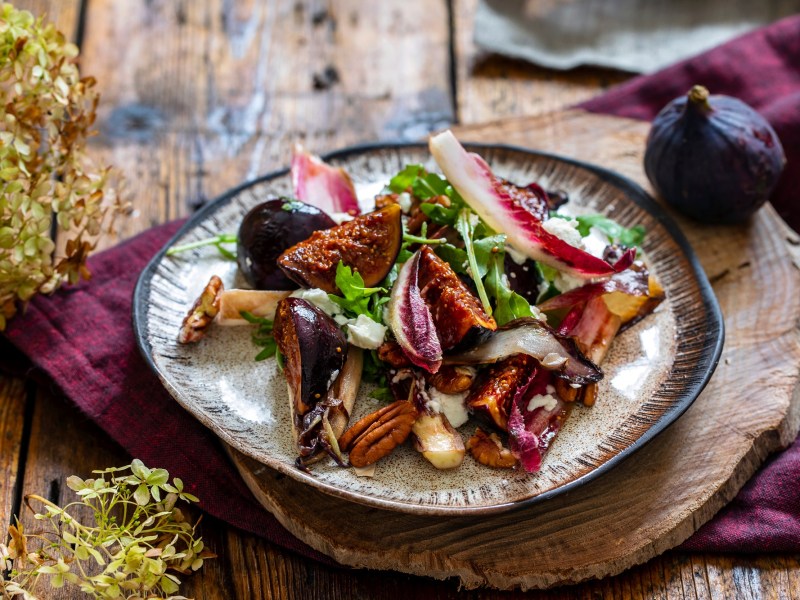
(632, 35)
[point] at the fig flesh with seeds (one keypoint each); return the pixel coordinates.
(368, 244)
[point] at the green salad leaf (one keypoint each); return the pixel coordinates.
(262, 336)
(615, 232)
(356, 298)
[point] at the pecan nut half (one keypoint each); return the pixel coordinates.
(377, 434)
(488, 450)
(202, 313)
(451, 380)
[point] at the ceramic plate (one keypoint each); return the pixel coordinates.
(652, 374)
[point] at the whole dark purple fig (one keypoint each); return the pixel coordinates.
(713, 157)
(314, 350)
(266, 231)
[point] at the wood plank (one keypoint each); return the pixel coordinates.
(13, 393)
(205, 95)
(491, 87)
(13, 396)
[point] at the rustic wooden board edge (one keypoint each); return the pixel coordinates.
(267, 490)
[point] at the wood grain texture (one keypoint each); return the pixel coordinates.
(491, 87)
(13, 396)
(659, 496)
(204, 95)
(172, 168)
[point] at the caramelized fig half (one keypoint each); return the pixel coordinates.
(368, 244)
(491, 396)
(457, 313)
(314, 350)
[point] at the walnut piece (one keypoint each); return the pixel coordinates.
(488, 450)
(377, 434)
(202, 313)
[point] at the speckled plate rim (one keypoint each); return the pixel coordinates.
(709, 357)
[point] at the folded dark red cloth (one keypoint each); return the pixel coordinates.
(761, 68)
(81, 338)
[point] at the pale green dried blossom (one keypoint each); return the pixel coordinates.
(46, 113)
(133, 545)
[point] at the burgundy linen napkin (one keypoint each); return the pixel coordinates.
(761, 68)
(82, 340)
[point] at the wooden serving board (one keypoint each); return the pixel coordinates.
(655, 499)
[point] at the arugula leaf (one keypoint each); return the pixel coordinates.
(374, 370)
(486, 249)
(357, 299)
(423, 185)
(262, 336)
(616, 232)
(455, 257)
(547, 274)
(509, 304)
(439, 214)
(465, 226)
(382, 393)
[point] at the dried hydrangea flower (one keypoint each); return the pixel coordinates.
(46, 114)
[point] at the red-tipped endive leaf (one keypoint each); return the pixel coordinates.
(328, 188)
(531, 432)
(489, 197)
(633, 283)
(411, 321)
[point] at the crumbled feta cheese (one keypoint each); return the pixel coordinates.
(365, 333)
(451, 405)
(546, 401)
(342, 217)
(537, 314)
(565, 229)
(320, 299)
(596, 242)
(564, 282)
(517, 256)
(404, 200)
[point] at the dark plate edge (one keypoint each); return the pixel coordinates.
(710, 356)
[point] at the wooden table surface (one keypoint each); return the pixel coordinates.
(198, 96)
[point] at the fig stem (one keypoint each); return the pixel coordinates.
(698, 97)
(217, 240)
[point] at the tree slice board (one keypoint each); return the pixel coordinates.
(659, 496)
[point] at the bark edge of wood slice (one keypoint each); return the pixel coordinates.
(659, 496)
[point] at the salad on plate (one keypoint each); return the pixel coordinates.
(461, 296)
